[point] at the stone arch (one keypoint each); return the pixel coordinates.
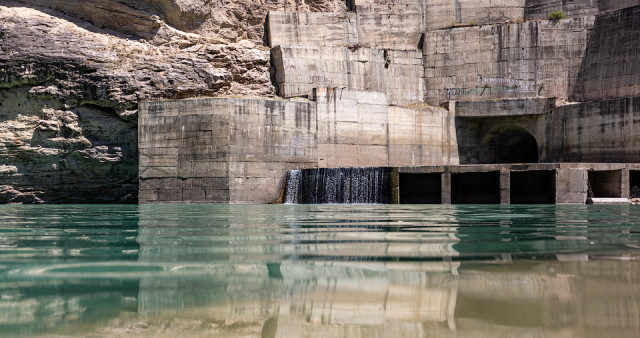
(509, 144)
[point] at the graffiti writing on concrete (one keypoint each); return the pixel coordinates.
(523, 86)
(490, 86)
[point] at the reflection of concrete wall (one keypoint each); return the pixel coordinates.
(517, 60)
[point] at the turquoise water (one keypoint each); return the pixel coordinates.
(319, 270)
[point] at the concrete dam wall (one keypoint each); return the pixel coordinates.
(421, 84)
(222, 150)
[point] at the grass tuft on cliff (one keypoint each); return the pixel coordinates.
(556, 15)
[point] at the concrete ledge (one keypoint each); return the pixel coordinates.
(607, 200)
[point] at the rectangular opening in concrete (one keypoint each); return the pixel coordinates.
(420, 188)
(475, 188)
(533, 187)
(634, 183)
(605, 183)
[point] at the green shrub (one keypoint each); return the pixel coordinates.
(556, 15)
(473, 23)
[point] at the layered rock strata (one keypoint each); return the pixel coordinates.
(72, 74)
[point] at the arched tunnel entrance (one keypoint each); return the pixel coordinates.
(509, 144)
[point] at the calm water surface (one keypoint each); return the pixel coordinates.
(320, 271)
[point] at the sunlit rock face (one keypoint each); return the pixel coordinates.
(72, 74)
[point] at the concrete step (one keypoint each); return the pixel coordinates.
(607, 200)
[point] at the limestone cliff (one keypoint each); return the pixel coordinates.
(72, 74)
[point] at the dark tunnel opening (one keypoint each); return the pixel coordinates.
(509, 144)
(421, 188)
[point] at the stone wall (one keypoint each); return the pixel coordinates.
(604, 131)
(610, 67)
(518, 60)
(222, 150)
(396, 73)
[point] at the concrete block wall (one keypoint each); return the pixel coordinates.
(384, 24)
(221, 150)
(267, 138)
(516, 60)
(611, 66)
(603, 131)
(359, 129)
(312, 29)
(225, 150)
(435, 14)
(540, 9)
(507, 107)
(183, 149)
(396, 73)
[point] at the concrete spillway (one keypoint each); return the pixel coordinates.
(338, 186)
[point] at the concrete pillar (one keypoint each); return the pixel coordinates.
(571, 186)
(446, 188)
(394, 178)
(505, 186)
(624, 181)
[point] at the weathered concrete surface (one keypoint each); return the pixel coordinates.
(570, 180)
(434, 14)
(396, 73)
(222, 150)
(529, 59)
(359, 129)
(604, 131)
(601, 131)
(312, 29)
(506, 107)
(386, 24)
(610, 66)
(540, 9)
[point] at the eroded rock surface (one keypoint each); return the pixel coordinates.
(72, 74)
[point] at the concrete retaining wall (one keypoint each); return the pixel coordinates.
(221, 150)
(605, 131)
(611, 65)
(357, 129)
(540, 9)
(396, 73)
(504, 61)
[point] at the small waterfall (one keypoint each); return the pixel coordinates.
(292, 190)
(338, 186)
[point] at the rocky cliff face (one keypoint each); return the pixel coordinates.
(72, 74)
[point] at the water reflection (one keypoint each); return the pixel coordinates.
(295, 271)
